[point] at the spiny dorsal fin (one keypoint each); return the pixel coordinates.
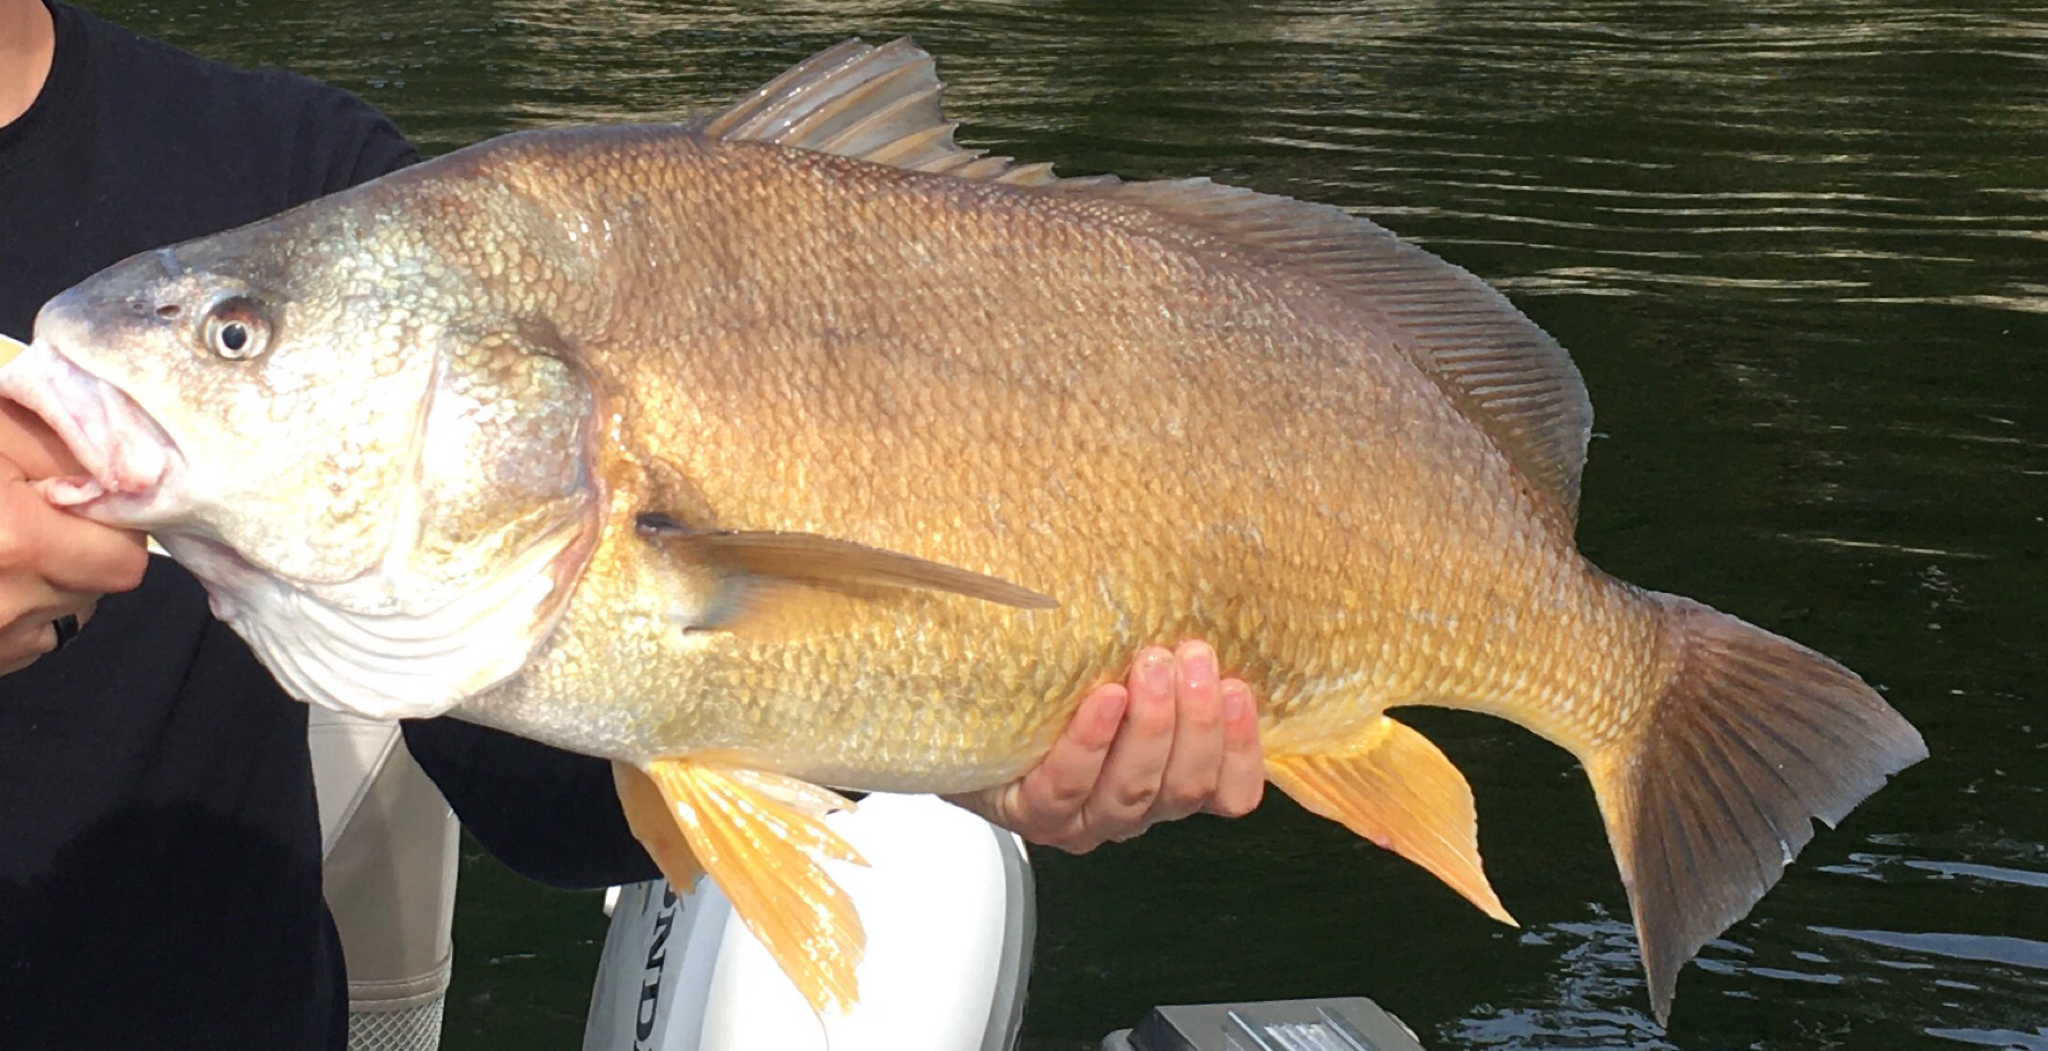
(876, 104)
(881, 105)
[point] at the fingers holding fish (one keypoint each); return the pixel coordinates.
(1044, 806)
(52, 564)
(27, 443)
(1156, 747)
(60, 551)
(1208, 728)
(1134, 773)
(1241, 781)
(29, 602)
(71, 553)
(1194, 764)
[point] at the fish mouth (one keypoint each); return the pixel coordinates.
(127, 455)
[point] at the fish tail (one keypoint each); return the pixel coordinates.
(1714, 789)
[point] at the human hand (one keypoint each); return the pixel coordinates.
(52, 563)
(1169, 741)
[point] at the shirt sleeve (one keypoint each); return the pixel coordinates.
(382, 151)
(549, 815)
(339, 141)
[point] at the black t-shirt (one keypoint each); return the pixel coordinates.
(159, 846)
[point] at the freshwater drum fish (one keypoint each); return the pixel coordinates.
(798, 447)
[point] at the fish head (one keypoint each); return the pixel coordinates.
(382, 479)
(241, 390)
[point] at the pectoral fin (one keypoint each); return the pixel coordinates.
(1392, 786)
(760, 838)
(771, 558)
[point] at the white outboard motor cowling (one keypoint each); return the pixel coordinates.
(948, 906)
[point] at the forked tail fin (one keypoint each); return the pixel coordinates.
(1752, 737)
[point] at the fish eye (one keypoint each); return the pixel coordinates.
(237, 329)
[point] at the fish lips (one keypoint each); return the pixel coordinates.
(127, 455)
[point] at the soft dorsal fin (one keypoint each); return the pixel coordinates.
(881, 105)
(1503, 372)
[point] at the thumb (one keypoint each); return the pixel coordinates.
(31, 447)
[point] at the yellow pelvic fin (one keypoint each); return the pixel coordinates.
(647, 814)
(760, 838)
(1392, 786)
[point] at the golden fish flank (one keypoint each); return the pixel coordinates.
(792, 447)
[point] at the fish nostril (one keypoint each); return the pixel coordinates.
(169, 310)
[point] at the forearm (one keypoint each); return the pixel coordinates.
(549, 815)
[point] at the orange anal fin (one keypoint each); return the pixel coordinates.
(761, 839)
(1393, 787)
(647, 814)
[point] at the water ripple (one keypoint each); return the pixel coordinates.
(1989, 948)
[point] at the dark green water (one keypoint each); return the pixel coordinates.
(1799, 249)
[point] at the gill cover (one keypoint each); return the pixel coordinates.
(490, 529)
